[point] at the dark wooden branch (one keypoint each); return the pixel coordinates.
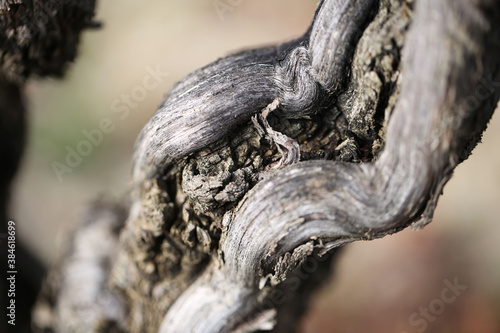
(37, 37)
(40, 37)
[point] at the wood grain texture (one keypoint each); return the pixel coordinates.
(304, 74)
(322, 205)
(378, 96)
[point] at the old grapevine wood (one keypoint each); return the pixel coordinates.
(214, 229)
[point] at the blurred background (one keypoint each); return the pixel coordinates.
(395, 284)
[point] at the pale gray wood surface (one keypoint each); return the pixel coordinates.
(382, 117)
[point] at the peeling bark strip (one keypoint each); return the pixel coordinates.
(304, 74)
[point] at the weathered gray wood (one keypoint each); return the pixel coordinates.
(214, 230)
(304, 74)
(319, 204)
(84, 303)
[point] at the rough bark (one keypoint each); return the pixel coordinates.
(384, 101)
(41, 37)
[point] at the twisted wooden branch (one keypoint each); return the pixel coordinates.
(322, 205)
(304, 74)
(212, 234)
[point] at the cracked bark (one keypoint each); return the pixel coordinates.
(384, 98)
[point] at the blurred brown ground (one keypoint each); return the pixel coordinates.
(378, 284)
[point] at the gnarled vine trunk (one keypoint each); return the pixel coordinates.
(382, 98)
